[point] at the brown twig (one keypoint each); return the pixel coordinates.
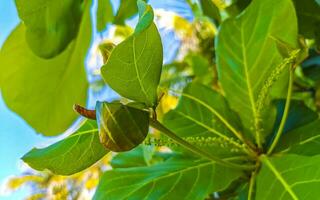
(90, 114)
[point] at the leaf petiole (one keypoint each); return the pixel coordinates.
(90, 114)
(285, 114)
(252, 184)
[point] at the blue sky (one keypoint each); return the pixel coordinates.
(16, 136)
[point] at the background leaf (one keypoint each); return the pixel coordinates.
(137, 157)
(247, 56)
(50, 25)
(289, 177)
(299, 115)
(121, 127)
(146, 16)
(304, 140)
(104, 14)
(173, 179)
(308, 13)
(70, 155)
(210, 9)
(237, 6)
(127, 9)
(43, 91)
(134, 66)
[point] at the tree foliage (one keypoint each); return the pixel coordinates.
(234, 116)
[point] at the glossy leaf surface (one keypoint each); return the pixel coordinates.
(173, 179)
(70, 155)
(121, 127)
(248, 58)
(134, 66)
(289, 177)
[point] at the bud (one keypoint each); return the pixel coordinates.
(105, 50)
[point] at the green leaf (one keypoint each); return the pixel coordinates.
(209, 117)
(50, 25)
(304, 140)
(210, 9)
(127, 9)
(203, 72)
(146, 16)
(237, 7)
(173, 179)
(43, 91)
(200, 65)
(134, 66)
(143, 155)
(104, 14)
(105, 50)
(299, 115)
(70, 155)
(308, 13)
(289, 177)
(137, 157)
(248, 59)
(121, 127)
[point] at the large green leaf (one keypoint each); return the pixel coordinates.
(134, 66)
(204, 113)
(249, 61)
(104, 14)
(289, 177)
(50, 25)
(121, 127)
(70, 155)
(304, 140)
(43, 91)
(175, 179)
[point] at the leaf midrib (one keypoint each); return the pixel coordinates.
(311, 139)
(137, 70)
(277, 174)
(249, 87)
(165, 176)
(119, 127)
